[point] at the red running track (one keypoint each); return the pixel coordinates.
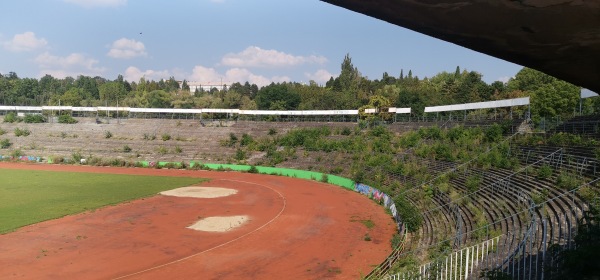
(298, 229)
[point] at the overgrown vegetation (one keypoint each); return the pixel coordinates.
(11, 117)
(67, 119)
(34, 118)
(5, 144)
(22, 132)
(126, 149)
(149, 136)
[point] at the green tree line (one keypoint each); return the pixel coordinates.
(550, 97)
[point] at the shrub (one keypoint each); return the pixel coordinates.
(396, 240)
(108, 134)
(77, 157)
(539, 197)
(246, 140)
(336, 170)
(95, 161)
(544, 172)
(22, 132)
(567, 181)
(472, 183)
(17, 153)
(57, 159)
(126, 149)
(34, 118)
(324, 178)
(232, 140)
(5, 144)
(117, 162)
(11, 118)
(493, 133)
(66, 119)
(165, 137)
(408, 213)
(346, 131)
(2, 131)
(149, 136)
(253, 169)
(178, 150)
(162, 150)
(171, 165)
(272, 131)
(240, 154)
(197, 166)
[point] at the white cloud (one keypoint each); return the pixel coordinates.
(74, 65)
(504, 79)
(97, 3)
(133, 74)
(257, 57)
(205, 75)
(127, 48)
(25, 42)
(321, 76)
(242, 75)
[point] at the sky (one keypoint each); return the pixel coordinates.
(219, 41)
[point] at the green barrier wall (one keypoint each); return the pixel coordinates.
(303, 174)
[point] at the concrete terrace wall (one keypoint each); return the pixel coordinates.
(195, 140)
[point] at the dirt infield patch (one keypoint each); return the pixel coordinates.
(200, 192)
(219, 224)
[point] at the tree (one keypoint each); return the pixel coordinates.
(348, 80)
(89, 85)
(232, 99)
(348, 75)
(528, 79)
(282, 95)
(381, 104)
(558, 98)
(185, 86)
(158, 99)
(472, 88)
(71, 97)
(112, 91)
(550, 96)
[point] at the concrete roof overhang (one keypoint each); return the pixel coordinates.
(558, 37)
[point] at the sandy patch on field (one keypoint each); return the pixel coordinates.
(200, 192)
(219, 224)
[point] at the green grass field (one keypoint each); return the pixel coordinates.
(28, 197)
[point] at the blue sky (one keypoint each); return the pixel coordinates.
(210, 41)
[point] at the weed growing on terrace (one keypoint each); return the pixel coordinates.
(5, 144)
(126, 149)
(66, 119)
(17, 153)
(149, 136)
(22, 132)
